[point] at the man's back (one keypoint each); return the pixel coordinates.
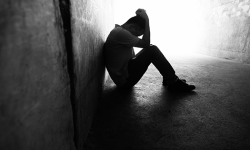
(118, 51)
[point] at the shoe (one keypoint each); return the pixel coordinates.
(181, 85)
(165, 83)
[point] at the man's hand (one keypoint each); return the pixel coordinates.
(142, 13)
(146, 36)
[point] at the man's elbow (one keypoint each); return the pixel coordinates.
(146, 45)
(143, 44)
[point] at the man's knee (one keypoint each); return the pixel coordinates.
(152, 48)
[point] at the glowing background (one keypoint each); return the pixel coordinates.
(175, 25)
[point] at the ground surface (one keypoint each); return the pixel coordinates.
(149, 117)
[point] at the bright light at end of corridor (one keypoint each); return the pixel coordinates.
(175, 25)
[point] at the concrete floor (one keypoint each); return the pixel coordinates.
(149, 117)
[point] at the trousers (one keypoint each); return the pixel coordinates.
(138, 65)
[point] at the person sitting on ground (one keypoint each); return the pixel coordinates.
(126, 68)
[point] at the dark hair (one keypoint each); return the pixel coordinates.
(137, 20)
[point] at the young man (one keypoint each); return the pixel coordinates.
(126, 68)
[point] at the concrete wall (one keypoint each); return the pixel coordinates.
(92, 20)
(225, 28)
(51, 71)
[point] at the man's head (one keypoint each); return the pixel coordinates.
(135, 25)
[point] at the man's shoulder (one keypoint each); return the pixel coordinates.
(114, 31)
(118, 32)
(122, 37)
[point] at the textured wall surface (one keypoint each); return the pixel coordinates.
(92, 20)
(50, 80)
(226, 29)
(35, 109)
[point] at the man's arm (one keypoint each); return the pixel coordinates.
(145, 42)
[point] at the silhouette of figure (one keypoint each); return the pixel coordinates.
(126, 68)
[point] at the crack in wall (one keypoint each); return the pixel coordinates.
(66, 19)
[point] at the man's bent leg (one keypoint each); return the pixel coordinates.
(139, 64)
(168, 73)
(162, 64)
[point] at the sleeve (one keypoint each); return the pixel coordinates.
(124, 37)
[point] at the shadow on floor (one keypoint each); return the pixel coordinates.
(149, 117)
(129, 118)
